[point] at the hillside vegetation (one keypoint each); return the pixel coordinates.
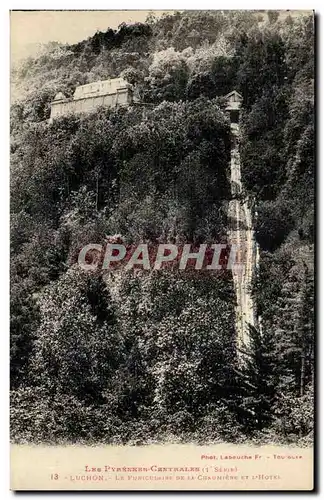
(133, 357)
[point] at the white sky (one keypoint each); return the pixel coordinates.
(29, 28)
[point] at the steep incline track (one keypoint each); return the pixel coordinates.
(241, 234)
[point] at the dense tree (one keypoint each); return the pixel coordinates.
(260, 379)
(153, 353)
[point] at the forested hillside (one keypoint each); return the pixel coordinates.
(137, 357)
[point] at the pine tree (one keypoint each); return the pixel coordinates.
(259, 380)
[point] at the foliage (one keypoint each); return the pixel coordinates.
(151, 356)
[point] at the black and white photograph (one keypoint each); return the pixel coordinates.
(162, 232)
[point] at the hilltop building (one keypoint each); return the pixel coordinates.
(117, 92)
(87, 98)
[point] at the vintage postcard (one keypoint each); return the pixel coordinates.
(162, 250)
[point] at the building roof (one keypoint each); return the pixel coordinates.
(102, 87)
(234, 92)
(59, 96)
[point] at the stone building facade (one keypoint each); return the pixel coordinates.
(87, 98)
